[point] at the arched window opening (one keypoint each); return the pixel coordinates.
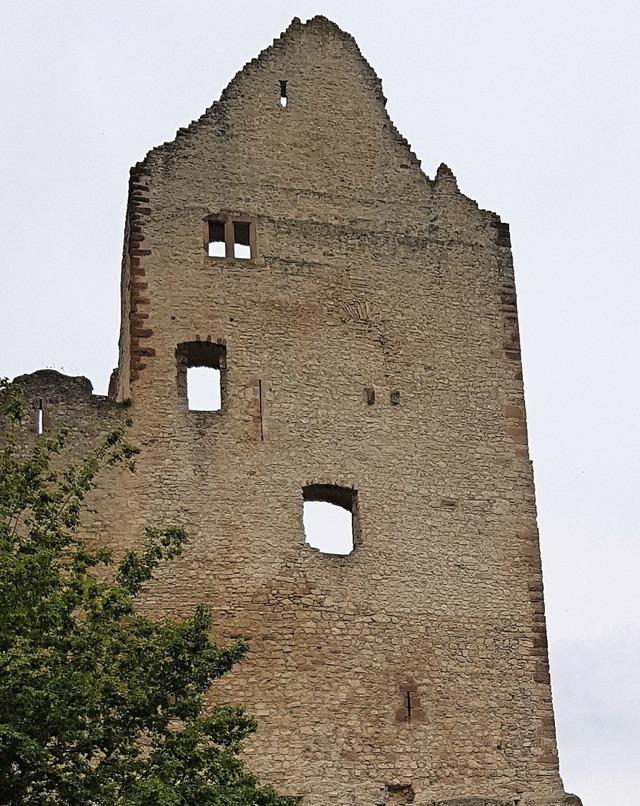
(329, 518)
(201, 371)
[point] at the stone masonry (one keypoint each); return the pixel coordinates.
(368, 350)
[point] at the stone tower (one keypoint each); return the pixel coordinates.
(362, 320)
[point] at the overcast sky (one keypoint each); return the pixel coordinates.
(535, 107)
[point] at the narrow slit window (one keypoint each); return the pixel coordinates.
(201, 375)
(409, 709)
(329, 518)
(283, 94)
(408, 704)
(203, 389)
(39, 416)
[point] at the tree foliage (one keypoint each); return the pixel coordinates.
(100, 705)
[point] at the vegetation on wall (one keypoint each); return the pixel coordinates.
(100, 705)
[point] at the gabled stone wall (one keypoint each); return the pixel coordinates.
(370, 345)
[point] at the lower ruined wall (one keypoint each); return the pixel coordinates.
(53, 402)
(66, 402)
(569, 800)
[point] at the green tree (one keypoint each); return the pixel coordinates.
(100, 705)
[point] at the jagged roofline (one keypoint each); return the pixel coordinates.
(294, 28)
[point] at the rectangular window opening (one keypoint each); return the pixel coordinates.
(329, 513)
(201, 374)
(204, 391)
(229, 237)
(283, 94)
(216, 245)
(242, 240)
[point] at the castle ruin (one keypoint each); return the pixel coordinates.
(361, 321)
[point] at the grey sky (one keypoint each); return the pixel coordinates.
(534, 106)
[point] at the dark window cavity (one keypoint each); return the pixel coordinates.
(242, 240)
(201, 375)
(216, 239)
(330, 518)
(400, 794)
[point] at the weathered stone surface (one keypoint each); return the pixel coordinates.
(473, 802)
(370, 341)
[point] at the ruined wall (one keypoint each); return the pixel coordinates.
(53, 401)
(364, 276)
